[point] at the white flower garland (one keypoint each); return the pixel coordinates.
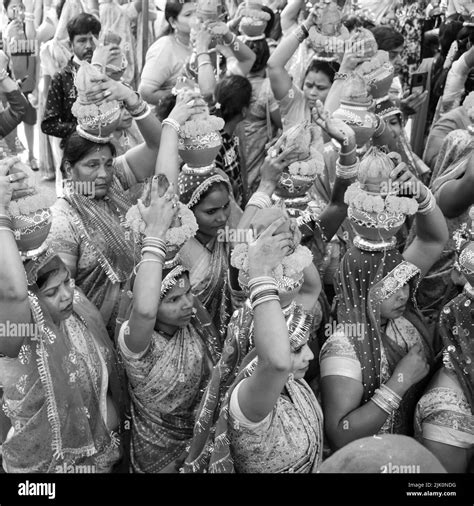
(292, 265)
(201, 126)
(175, 236)
(307, 168)
(358, 198)
(256, 14)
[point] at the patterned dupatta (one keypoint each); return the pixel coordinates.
(208, 274)
(115, 252)
(238, 350)
(165, 401)
(358, 300)
(217, 458)
(457, 332)
(55, 400)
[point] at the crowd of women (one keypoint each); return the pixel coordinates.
(260, 251)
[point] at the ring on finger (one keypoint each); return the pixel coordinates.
(10, 178)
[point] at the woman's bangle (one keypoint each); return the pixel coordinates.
(205, 62)
(155, 260)
(5, 221)
(428, 204)
(139, 108)
(202, 53)
(301, 33)
(29, 16)
(234, 38)
(260, 200)
(347, 153)
(346, 171)
(6, 229)
(172, 123)
(261, 280)
(144, 115)
(154, 241)
(342, 76)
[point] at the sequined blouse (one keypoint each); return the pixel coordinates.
(338, 358)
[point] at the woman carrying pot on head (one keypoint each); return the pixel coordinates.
(372, 365)
(167, 344)
(269, 394)
(62, 390)
(87, 229)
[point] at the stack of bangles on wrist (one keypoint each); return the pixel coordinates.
(301, 33)
(172, 123)
(428, 204)
(262, 289)
(29, 16)
(386, 399)
(6, 223)
(346, 171)
(139, 111)
(260, 200)
(156, 247)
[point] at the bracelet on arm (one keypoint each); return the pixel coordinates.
(341, 76)
(347, 153)
(144, 115)
(228, 44)
(172, 123)
(260, 200)
(428, 204)
(139, 108)
(203, 53)
(205, 62)
(5, 221)
(347, 171)
(262, 289)
(301, 33)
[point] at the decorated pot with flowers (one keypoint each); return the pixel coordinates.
(307, 144)
(329, 37)
(354, 110)
(183, 227)
(99, 120)
(289, 274)
(199, 139)
(30, 215)
(378, 73)
(375, 210)
(254, 19)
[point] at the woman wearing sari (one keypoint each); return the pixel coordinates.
(444, 419)
(87, 227)
(269, 395)
(299, 301)
(372, 365)
(59, 372)
(167, 345)
(451, 182)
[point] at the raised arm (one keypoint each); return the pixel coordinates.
(147, 287)
(142, 158)
(431, 229)
(346, 169)
(244, 56)
(14, 305)
(259, 393)
(280, 80)
(206, 77)
(168, 162)
(289, 15)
